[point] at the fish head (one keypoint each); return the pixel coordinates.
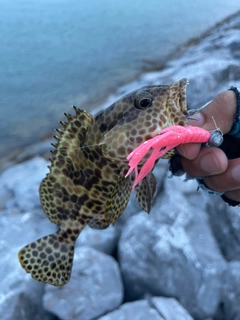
(140, 115)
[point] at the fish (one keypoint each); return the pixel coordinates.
(86, 184)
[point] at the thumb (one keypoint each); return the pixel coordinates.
(221, 111)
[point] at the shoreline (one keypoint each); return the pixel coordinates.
(110, 96)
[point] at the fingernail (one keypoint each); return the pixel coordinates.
(198, 117)
(209, 163)
(236, 173)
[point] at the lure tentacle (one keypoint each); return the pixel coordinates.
(166, 140)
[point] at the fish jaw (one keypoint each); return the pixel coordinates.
(178, 95)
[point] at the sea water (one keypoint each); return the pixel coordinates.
(58, 53)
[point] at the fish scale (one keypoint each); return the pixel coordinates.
(86, 184)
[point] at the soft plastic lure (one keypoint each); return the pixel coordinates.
(163, 142)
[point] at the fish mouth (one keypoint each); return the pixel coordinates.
(178, 93)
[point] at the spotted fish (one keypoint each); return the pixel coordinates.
(86, 184)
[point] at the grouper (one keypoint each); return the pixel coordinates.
(86, 184)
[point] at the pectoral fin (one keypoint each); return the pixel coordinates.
(145, 191)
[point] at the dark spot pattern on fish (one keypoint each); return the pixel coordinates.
(86, 183)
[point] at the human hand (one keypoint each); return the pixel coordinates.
(218, 173)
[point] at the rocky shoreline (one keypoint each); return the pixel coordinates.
(180, 262)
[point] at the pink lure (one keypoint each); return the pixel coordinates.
(165, 140)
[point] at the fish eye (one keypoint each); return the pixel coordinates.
(143, 103)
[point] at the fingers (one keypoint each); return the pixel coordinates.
(225, 174)
(222, 109)
(189, 151)
(218, 173)
(228, 180)
(233, 195)
(209, 161)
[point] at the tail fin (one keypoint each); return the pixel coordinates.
(49, 259)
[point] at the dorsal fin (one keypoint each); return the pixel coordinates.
(73, 132)
(67, 159)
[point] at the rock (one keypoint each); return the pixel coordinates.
(5, 195)
(94, 289)
(22, 306)
(180, 189)
(156, 308)
(225, 224)
(165, 254)
(169, 308)
(102, 240)
(18, 193)
(137, 310)
(22, 182)
(17, 288)
(231, 291)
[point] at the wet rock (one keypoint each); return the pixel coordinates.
(22, 306)
(168, 252)
(94, 289)
(5, 196)
(137, 310)
(231, 291)
(18, 193)
(156, 308)
(102, 240)
(169, 308)
(225, 224)
(21, 296)
(22, 182)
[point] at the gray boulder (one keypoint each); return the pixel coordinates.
(225, 224)
(170, 308)
(231, 291)
(18, 194)
(137, 310)
(103, 240)
(25, 304)
(95, 288)
(21, 296)
(20, 184)
(172, 252)
(156, 308)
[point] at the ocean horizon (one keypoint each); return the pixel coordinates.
(54, 54)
